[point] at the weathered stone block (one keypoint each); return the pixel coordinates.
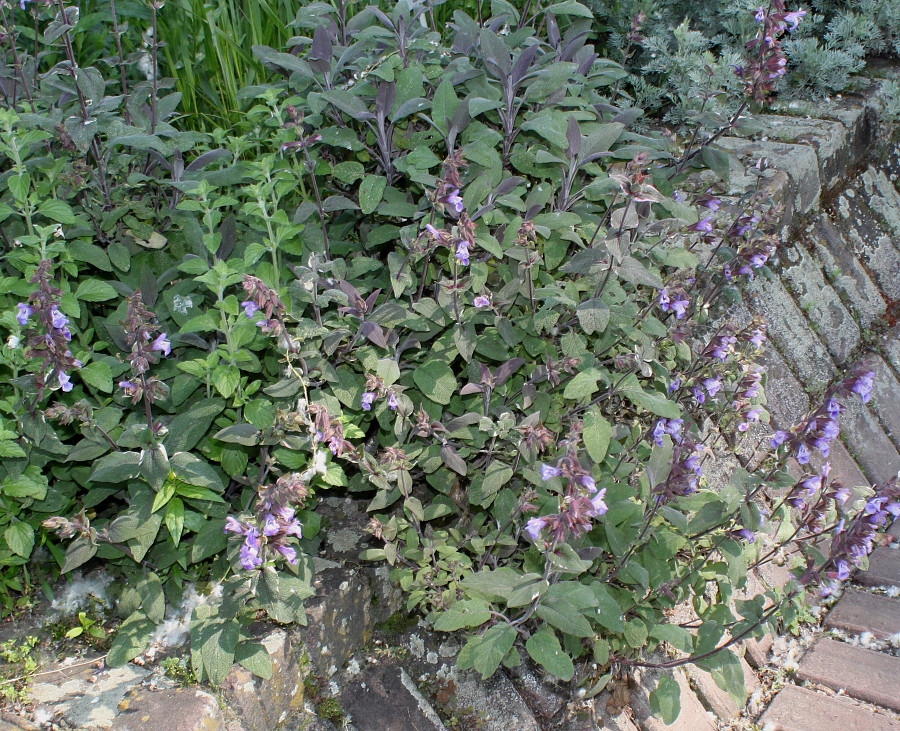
(384, 698)
(846, 274)
(861, 611)
(868, 241)
(886, 399)
(798, 161)
(265, 704)
(865, 437)
(170, 709)
(788, 329)
(819, 302)
(828, 138)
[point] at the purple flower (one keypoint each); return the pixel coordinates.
(679, 307)
(758, 337)
(453, 200)
(65, 383)
(162, 344)
(713, 204)
(232, 525)
(462, 252)
(704, 225)
(250, 552)
(250, 308)
(24, 313)
(793, 18)
(534, 527)
(760, 15)
(842, 572)
(482, 302)
(745, 534)
(803, 454)
(548, 472)
(57, 318)
(712, 385)
(693, 463)
(863, 386)
(367, 399)
(675, 385)
(598, 502)
(392, 402)
(289, 553)
(698, 394)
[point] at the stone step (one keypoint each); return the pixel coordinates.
(800, 709)
(845, 272)
(820, 303)
(886, 399)
(873, 450)
(863, 674)
(868, 241)
(891, 347)
(883, 199)
(861, 611)
(791, 333)
(384, 698)
(884, 568)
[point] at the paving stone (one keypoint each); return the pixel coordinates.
(884, 568)
(171, 709)
(384, 698)
(757, 650)
(788, 330)
(543, 697)
(873, 450)
(863, 674)
(693, 716)
(800, 709)
(711, 695)
(861, 611)
(885, 400)
(821, 304)
(845, 272)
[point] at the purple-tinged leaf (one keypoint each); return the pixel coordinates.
(373, 333)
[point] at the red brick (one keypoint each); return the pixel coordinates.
(799, 709)
(884, 568)
(864, 674)
(859, 611)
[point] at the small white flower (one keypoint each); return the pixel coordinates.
(13, 342)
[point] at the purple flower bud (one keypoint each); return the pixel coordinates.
(588, 483)
(392, 402)
(745, 534)
(24, 312)
(482, 302)
(161, 344)
(289, 553)
(548, 472)
(250, 308)
(367, 399)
